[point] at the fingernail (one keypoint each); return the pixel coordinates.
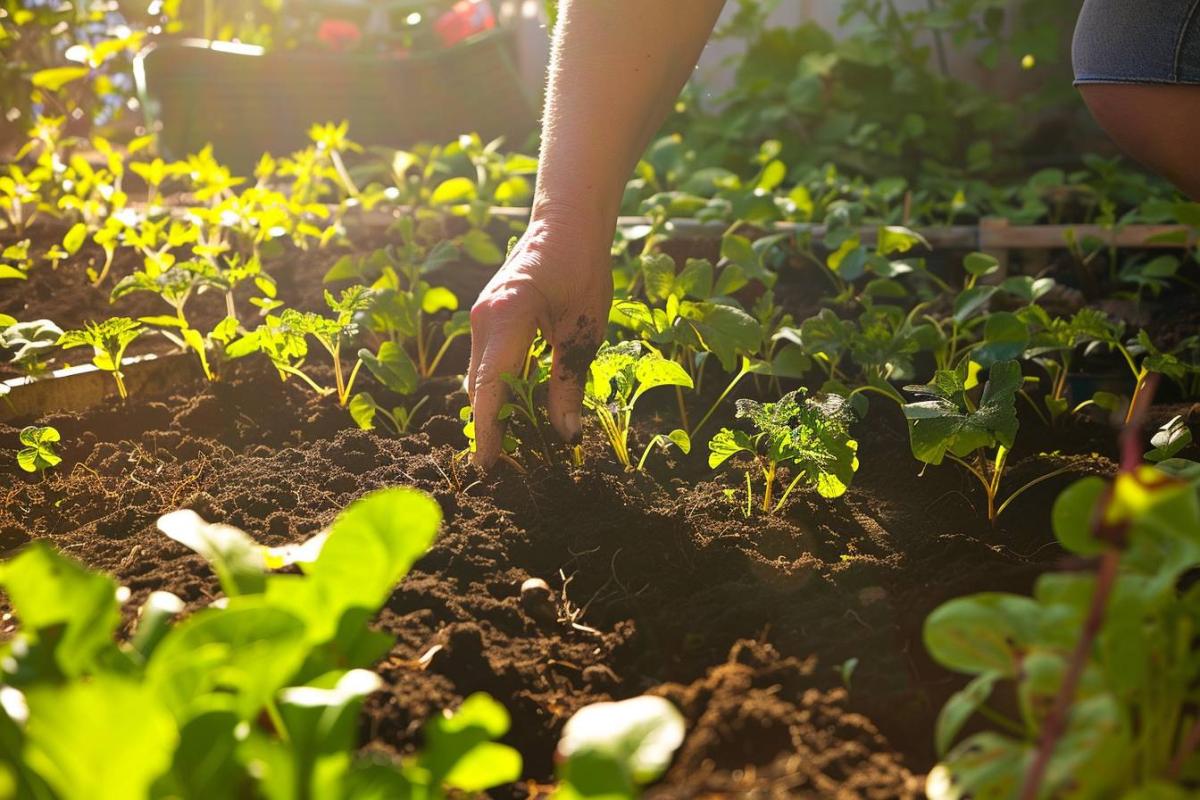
(574, 428)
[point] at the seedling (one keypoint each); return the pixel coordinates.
(535, 372)
(108, 340)
(1094, 675)
(38, 453)
(282, 339)
(30, 343)
(618, 377)
(1169, 440)
(976, 437)
(810, 435)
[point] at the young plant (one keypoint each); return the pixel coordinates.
(282, 339)
(257, 694)
(108, 340)
(393, 368)
(1095, 675)
(977, 437)
(534, 373)
(31, 343)
(810, 435)
(618, 377)
(38, 453)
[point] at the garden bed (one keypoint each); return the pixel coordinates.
(792, 642)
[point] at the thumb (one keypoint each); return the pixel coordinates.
(573, 355)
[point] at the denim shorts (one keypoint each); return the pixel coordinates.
(1137, 41)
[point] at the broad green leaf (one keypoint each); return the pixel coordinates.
(982, 633)
(971, 300)
(658, 275)
(371, 546)
(460, 751)
(393, 367)
(726, 331)
(681, 440)
(439, 298)
(362, 408)
(652, 370)
(1005, 337)
(454, 190)
(980, 264)
(205, 764)
(57, 598)
(638, 736)
(103, 739)
(726, 443)
(897, 239)
(231, 659)
(1073, 514)
(479, 246)
(232, 554)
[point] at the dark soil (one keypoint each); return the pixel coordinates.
(662, 584)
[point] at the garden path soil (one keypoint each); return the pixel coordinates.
(745, 623)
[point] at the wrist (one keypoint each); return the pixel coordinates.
(575, 227)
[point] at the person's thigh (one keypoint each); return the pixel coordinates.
(1137, 64)
(1158, 125)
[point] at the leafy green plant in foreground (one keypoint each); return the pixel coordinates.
(38, 454)
(810, 435)
(978, 436)
(108, 340)
(618, 377)
(255, 696)
(1102, 663)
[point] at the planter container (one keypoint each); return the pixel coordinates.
(247, 102)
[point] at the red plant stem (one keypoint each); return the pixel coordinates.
(1106, 578)
(1056, 722)
(1188, 746)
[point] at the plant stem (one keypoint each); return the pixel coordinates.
(1030, 485)
(1056, 722)
(1187, 746)
(788, 491)
(743, 372)
(683, 415)
(645, 453)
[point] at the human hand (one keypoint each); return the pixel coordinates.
(558, 279)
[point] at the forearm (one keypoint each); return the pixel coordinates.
(616, 69)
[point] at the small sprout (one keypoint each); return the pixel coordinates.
(108, 340)
(38, 453)
(620, 375)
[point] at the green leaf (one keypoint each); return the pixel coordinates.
(75, 238)
(726, 443)
(658, 274)
(233, 555)
(1005, 337)
(652, 370)
(971, 300)
(460, 753)
(362, 410)
(58, 600)
(959, 708)
(897, 239)
(393, 367)
(636, 737)
(454, 190)
(479, 246)
(980, 264)
(232, 659)
(681, 440)
(982, 633)
(1072, 516)
(986, 766)
(104, 739)
(438, 298)
(726, 331)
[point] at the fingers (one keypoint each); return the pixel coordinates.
(500, 337)
(575, 346)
